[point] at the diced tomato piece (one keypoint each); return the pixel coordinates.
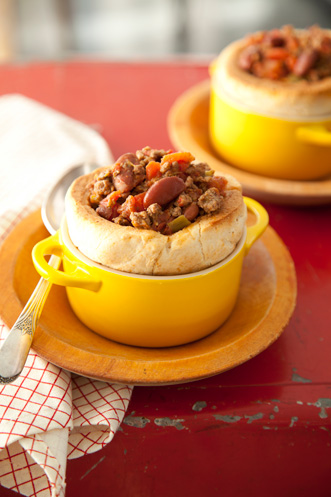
(182, 201)
(132, 204)
(218, 182)
(271, 69)
(276, 53)
(113, 197)
(139, 202)
(153, 170)
(127, 207)
(183, 166)
(183, 158)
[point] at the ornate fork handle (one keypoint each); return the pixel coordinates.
(15, 348)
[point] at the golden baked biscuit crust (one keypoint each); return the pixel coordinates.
(205, 242)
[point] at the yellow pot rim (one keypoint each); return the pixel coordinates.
(65, 237)
(246, 109)
(60, 243)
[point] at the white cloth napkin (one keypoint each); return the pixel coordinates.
(47, 414)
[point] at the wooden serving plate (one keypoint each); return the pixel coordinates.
(266, 301)
(188, 130)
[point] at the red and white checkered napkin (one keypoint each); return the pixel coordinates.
(47, 415)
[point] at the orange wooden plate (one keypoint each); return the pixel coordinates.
(265, 303)
(188, 130)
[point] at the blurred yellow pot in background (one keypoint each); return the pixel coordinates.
(272, 128)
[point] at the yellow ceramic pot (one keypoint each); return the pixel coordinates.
(294, 149)
(148, 311)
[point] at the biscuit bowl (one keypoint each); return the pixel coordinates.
(148, 310)
(270, 108)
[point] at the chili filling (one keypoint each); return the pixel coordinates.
(157, 190)
(287, 54)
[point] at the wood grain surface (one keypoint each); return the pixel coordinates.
(188, 130)
(265, 303)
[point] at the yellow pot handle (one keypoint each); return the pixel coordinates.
(314, 134)
(80, 277)
(262, 221)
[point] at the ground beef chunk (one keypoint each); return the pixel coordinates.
(127, 207)
(159, 217)
(155, 212)
(123, 177)
(140, 154)
(105, 174)
(184, 199)
(194, 193)
(101, 189)
(175, 211)
(141, 188)
(139, 174)
(203, 182)
(189, 182)
(204, 185)
(140, 220)
(150, 153)
(203, 168)
(210, 201)
(170, 168)
(121, 220)
(198, 171)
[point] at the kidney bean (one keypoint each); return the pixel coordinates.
(164, 191)
(305, 62)
(123, 177)
(107, 212)
(191, 212)
(130, 157)
(248, 56)
(276, 53)
(274, 38)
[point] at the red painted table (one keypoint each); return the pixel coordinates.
(261, 429)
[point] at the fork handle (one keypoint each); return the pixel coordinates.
(16, 347)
